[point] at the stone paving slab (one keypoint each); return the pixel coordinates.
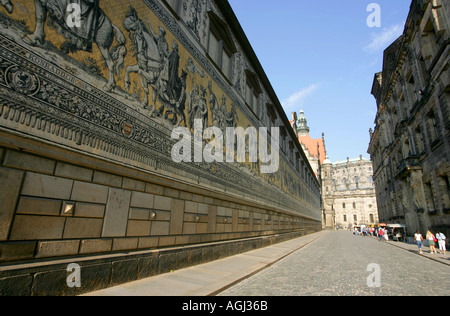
(213, 277)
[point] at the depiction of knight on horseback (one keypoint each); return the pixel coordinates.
(157, 67)
(95, 27)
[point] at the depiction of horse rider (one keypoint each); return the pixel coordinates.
(82, 36)
(8, 5)
(150, 59)
(161, 41)
(94, 27)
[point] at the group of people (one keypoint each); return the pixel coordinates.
(432, 239)
(381, 233)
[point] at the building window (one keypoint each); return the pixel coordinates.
(220, 54)
(443, 185)
(345, 218)
(433, 126)
(355, 218)
(343, 205)
(221, 47)
(252, 92)
(429, 41)
(419, 140)
(429, 196)
(371, 218)
(174, 5)
(445, 111)
(412, 90)
(213, 47)
(354, 205)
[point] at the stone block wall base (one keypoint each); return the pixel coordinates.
(49, 278)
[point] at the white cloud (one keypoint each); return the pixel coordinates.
(381, 41)
(295, 100)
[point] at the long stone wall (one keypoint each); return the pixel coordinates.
(123, 226)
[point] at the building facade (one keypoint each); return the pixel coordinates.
(348, 194)
(87, 119)
(410, 146)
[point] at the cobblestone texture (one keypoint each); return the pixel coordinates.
(336, 265)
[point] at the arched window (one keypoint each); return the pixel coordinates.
(371, 218)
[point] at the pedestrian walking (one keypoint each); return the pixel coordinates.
(441, 241)
(418, 239)
(380, 234)
(431, 242)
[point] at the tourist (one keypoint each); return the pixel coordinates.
(431, 242)
(441, 241)
(380, 234)
(418, 239)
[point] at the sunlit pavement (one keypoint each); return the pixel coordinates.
(342, 264)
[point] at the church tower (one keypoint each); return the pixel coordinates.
(302, 125)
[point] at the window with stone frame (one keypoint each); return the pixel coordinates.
(444, 188)
(433, 126)
(174, 6)
(412, 91)
(428, 45)
(429, 196)
(252, 93)
(221, 47)
(418, 138)
(443, 101)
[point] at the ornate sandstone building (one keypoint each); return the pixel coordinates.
(348, 194)
(410, 146)
(89, 99)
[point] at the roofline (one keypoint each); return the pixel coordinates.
(235, 26)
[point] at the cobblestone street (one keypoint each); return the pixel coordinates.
(337, 264)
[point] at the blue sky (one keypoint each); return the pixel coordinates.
(322, 57)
